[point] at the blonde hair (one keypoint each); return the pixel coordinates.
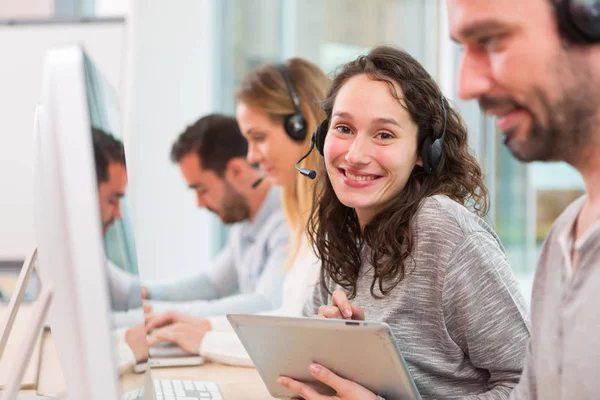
(265, 88)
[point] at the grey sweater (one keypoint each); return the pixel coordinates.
(458, 316)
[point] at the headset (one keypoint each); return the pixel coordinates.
(431, 150)
(258, 181)
(294, 124)
(579, 20)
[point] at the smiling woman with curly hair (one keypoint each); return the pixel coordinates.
(397, 223)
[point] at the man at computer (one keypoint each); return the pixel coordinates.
(246, 276)
(111, 178)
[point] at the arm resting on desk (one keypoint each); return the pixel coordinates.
(124, 289)
(266, 296)
(222, 282)
(249, 303)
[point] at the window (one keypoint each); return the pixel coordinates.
(328, 33)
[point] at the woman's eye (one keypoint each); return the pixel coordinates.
(258, 139)
(385, 135)
(343, 129)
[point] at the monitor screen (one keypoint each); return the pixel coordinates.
(127, 315)
(111, 182)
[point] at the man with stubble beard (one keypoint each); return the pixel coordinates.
(246, 276)
(535, 66)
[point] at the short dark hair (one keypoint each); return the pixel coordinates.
(216, 139)
(106, 149)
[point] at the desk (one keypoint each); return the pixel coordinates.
(235, 382)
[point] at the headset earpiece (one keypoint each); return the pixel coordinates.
(320, 134)
(432, 150)
(426, 155)
(435, 155)
(317, 140)
(579, 20)
(294, 124)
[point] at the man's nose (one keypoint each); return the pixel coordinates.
(474, 75)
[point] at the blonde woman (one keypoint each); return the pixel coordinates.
(277, 109)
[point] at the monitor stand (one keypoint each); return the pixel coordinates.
(27, 345)
(17, 298)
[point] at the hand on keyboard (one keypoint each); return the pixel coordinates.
(184, 331)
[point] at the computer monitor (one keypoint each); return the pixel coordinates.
(82, 173)
(80, 130)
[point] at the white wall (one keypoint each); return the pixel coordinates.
(447, 73)
(169, 85)
(112, 8)
(22, 48)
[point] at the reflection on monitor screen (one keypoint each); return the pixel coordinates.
(104, 117)
(119, 244)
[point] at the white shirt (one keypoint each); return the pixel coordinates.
(125, 297)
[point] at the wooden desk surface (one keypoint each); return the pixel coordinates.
(235, 382)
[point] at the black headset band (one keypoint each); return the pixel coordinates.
(443, 100)
(288, 81)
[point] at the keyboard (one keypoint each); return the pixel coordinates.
(178, 390)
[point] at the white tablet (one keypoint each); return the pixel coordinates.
(363, 352)
(166, 355)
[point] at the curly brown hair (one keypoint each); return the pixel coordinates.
(334, 229)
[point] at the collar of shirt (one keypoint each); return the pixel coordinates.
(567, 235)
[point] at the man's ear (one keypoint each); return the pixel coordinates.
(235, 168)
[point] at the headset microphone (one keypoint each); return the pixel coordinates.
(309, 173)
(257, 182)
